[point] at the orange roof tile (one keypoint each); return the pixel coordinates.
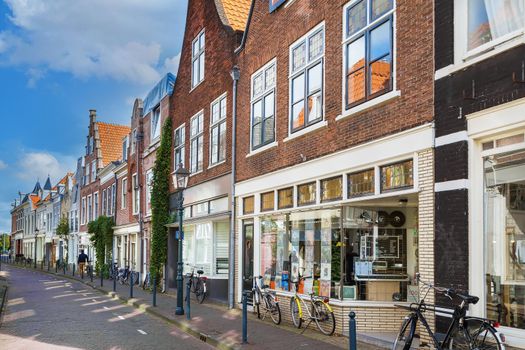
(235, 12)
(35, 199)
(111, 136)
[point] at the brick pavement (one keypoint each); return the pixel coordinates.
(220, 327)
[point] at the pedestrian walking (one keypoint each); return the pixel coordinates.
(82, 259)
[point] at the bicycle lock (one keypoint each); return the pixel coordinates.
(188, 297)
(154, 291)
(131, 284)
(352, 334)
(245, 316)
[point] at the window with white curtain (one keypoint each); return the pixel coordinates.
(197, 59)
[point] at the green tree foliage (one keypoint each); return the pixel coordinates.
(4, 238)
(101, 231)
(160, 209)
(63, 229)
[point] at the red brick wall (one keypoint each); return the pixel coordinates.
(219, 60)
(277, 31)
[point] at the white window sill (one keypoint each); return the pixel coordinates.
(197, 173)
(307, 130)
(216, 164)
(262, 149)
(196, 86)
(470, 60)
(369, 104)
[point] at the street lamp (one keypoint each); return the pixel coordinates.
(180, 181)
(36, 234)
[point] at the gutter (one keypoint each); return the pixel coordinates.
(235, 74)
(246, 30)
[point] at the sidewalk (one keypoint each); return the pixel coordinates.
(220, 327)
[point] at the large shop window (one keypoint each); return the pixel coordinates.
(368, 50)
(350, 253)
(306, 82)
(263, 106)
(505, 238)
(205, 246)
(491, 21)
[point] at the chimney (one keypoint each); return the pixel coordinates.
(92, 116)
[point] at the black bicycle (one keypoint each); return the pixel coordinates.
(464, 332)
(197, 284)
(265, 299)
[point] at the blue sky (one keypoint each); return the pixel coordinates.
(60, 58)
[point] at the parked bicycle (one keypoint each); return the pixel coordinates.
(113, 271)
(464, 332)
(124, 275)
(319, 311)
(197, 284)
(266, 300)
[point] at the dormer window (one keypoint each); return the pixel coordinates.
(125, 148)
(155, 124)
(197, 60)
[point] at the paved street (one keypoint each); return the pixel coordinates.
(48, 312)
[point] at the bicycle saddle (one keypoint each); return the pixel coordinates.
(200, 272)
(471, 299)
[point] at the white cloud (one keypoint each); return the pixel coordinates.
(38, 165)
(3, 165)
(125, 40)
(171, 64)
(34, 75)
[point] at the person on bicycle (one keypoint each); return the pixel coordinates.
(82, 260)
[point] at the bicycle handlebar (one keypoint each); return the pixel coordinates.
(448, 292)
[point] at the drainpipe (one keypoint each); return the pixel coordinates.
(235, 74)
(138, 150)
(115, 222)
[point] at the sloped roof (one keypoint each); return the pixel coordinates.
(234, 12)
(47, 185)
(35, 199)
(111, 136)
(37, 188)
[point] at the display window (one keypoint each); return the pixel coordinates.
(505, 238)
(349, 253)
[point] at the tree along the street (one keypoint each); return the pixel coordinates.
(101, 231)
(160, 215)
(63, 232)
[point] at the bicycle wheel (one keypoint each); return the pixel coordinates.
(406, 334)
(324, 317)
(273, 307)
(256, 299)
(296, 315)
(482, 334)
(200, 291)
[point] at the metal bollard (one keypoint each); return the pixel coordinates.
(74, 269)
(114, 282)
(352, 335)
(245, 317)
(64, 267)
(48, 263)
(91, 273)
(188, 297)
(42, 265)
(131, 284)
(101, 278)
(154, 291)
(56, 267)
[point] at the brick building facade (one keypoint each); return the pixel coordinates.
(480, 142)
(201, 109)
(334, 164)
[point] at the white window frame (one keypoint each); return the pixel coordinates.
(199, 56)
(219, 123)
(104, 202)
(346, 41)
(125, 148)
(133, 141)
(90, 208)
(198, 136)
(93, 170)
(124, 194)
(135, 194)
(304, 70)
(155, 130)
(149, 186)
(254, 99)
(113, 199)
(181, 148)
(95, 205)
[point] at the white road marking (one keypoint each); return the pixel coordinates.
(141, 331)
(93, 300)
(105, 307)
(122, 318)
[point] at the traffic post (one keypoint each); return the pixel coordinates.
(352, 336)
